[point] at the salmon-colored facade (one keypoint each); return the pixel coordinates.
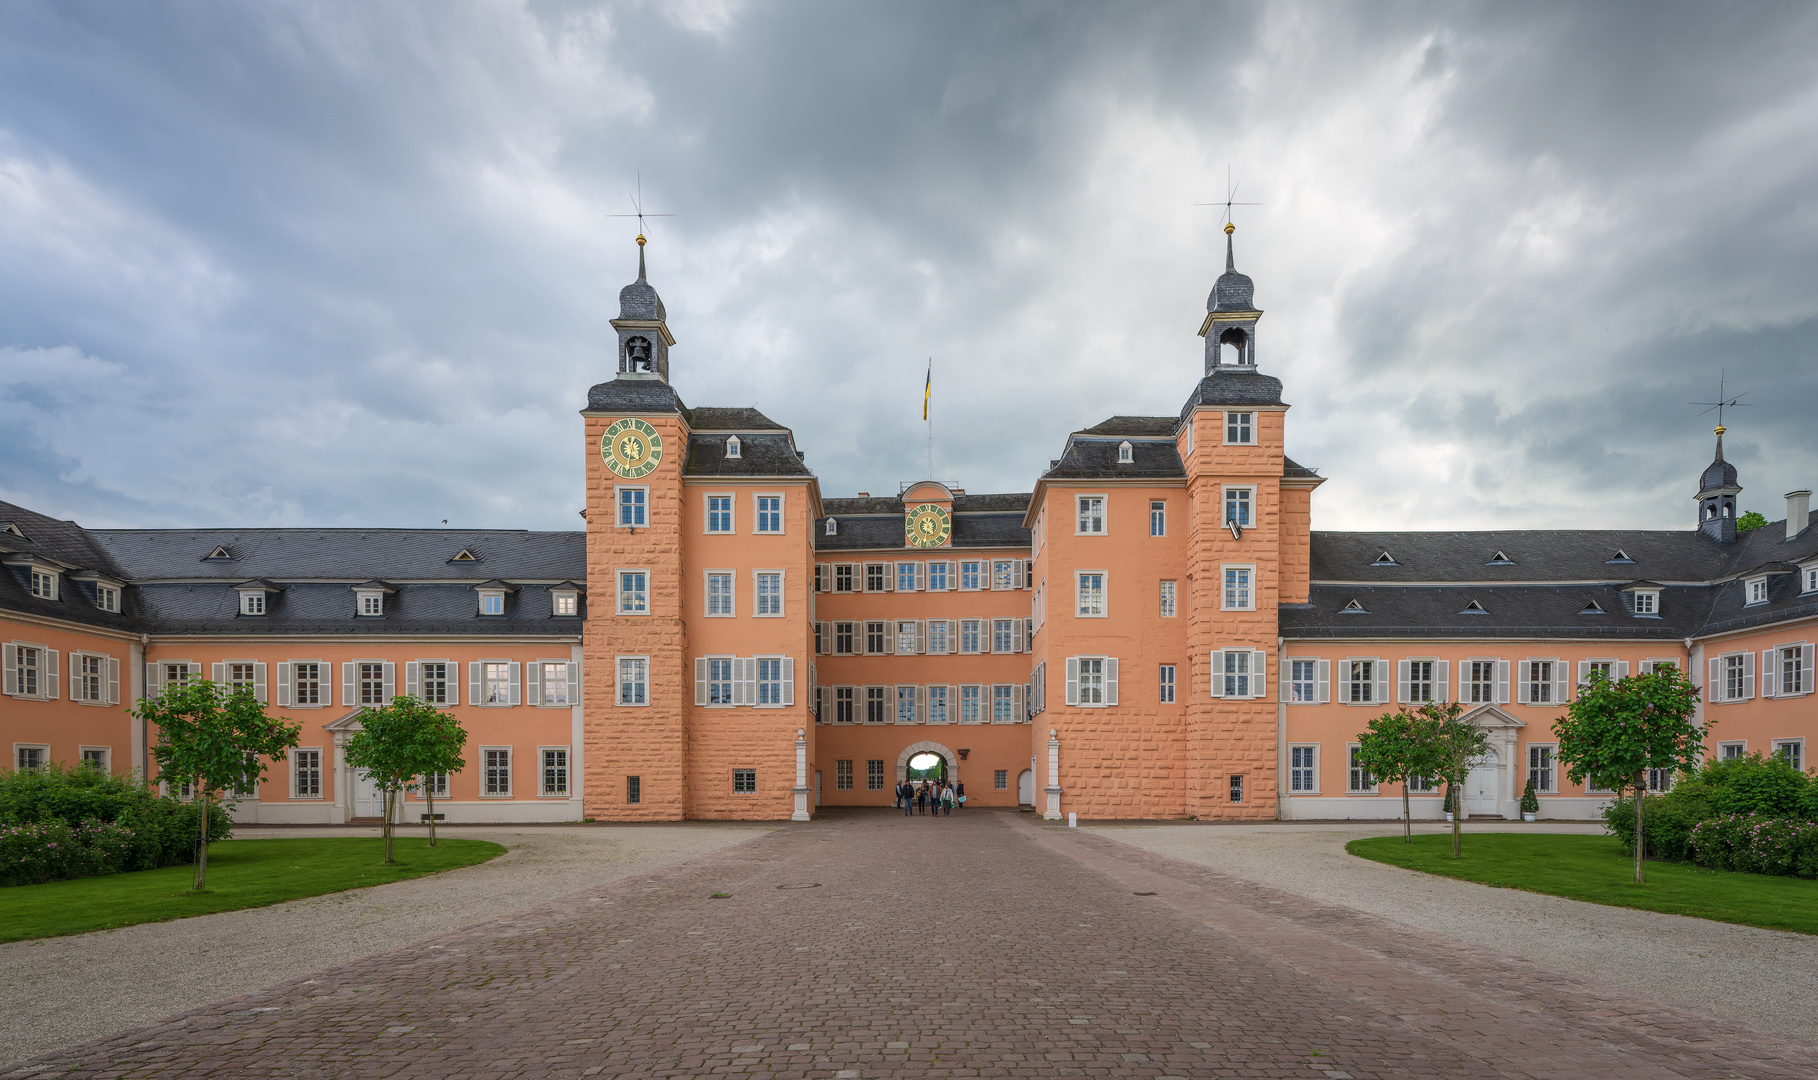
(1155, 631)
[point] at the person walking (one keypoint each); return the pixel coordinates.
(959, 795)
(947, 801)
(902, 796)
(921, 798)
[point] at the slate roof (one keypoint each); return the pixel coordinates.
(319, 608)
(393, 555)
(1551, 555)
(979, 521)
(759, 455)
(634, 395)
(1096, 459)
(67, 543)
(1228, 384)
(1512, 611)
(1149, 427)
(708, 418)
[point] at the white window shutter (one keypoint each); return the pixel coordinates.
(50, 673)
(391, 681)
(218, 673)
(1284, 692)
(1769, 676)
(1805, 669)
(1018, 708)
(259, 680)
(454, 685)
(889, 578)
(517, 685)
(574, 682)
(700, 680)
(921, 577)
(1522, 683)
(921, 636)
(1502, 682)
(890, 638)
(1382, 680)
(1110, 680)
(284, 683)
(533, 681)
(1439, 681)
(1021, 575)
(1748, 675)
(473, 682)
(1584, 671)
(1073, 680)
(1622, 670)
(1217, 664)
(411, 682)
(1403, 691)
(789, 680)
(113, 681)
(348, 697)
(9, 664)
(1325, 681)
(75, 691)
(1562, 682)
(1259, 673)
(1713, 686)
(154, 676)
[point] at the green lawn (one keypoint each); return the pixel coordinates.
(1596, 869)
(241, 874)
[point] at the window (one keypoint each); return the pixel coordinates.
(1003, 574)
(634, 790)
(907, 640)
(634, 592)
(1003, 705)
(1810, 578)
(1358, 779)
(631, 508)
(875, 705)
(44, 585)
(769, 681)
(842, 774)
(1420, 682)
(1734, 682)
(371, 683)
(1091, 680)
(252, 602)
(1125, 453)
(1730, 751)
(842, 705)
(1003, 635)
(969, 636)
(1540, 769)
(1240, 428)
(306, 684)
(433, 784)
(732, 446)
(1303, 681)
(1790, 670)
(492, 603)
(769, 594)
(634, 680)
(1659, 779)
(719, 593)
(177, 672)
(937, 704)
(1091, 588)
(769, 513)
(832, 527)
(431, 682)
(744, 781)
(1538, 677)
(1167, 599)
(244, 676)
(970, 697)
(874, 637)
(1647, 603)
(1232, 669)
(905, 704)
(107, 598)
(29, 758)
(971, 575)
(1091, 515)
(905, 577)
(555, 690)
(495, 682)
(90, 678)
(306, 774)
(495, 771)
(1158, 518)
(719, 513)
(1303, 769)
(876, 575)
(843, 634)
(1756, 589)
(94, 757)
(719, 680)
(1792, 751)
(371, 603)
(1481, 686)
(1000, 780)
(1237, 787)
(1237, 588)
(564, 603)
(1167, 684)
(937, 577)
(874, 774)
(555, 772)
(1237, 506)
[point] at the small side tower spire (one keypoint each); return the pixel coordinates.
(1231, 315)
(644, 337)
(1717, 491)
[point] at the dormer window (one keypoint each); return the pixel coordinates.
(107, 598)
(833, 527)
(1592, 607)
(1473, 608)
(732, 446)
(492, 602)
(1621, 556)
(1755, 590)
(369, 602)
(221, 553)
(44, 584)
(565, 603)
(1355, 607)
(1809, 578)
(1125, 453)
(1385, 559)
(12, 530)
(1647, 602)
(464, 555)
(1499, 559)
(252, 603)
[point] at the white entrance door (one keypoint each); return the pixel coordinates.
(817, 788)
(367, 803)
(1025, 788)
(1482, 786)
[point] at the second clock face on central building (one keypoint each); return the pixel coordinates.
(927, 526)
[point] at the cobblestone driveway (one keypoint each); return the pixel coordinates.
(868, 945)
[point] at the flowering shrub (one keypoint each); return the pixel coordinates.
(158, 830)
(1756, 844)
(53, 850)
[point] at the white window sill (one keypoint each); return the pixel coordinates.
(1362, 794)
(554, 795)
(495, 797)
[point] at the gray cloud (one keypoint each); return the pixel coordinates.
(350, 265)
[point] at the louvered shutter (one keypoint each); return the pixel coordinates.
(218, 672)
(1285, 691)
(1017, 632)
(391, 682)
(1217, 663)
(75, 692)
(1562, 682)
(1018, 708)
(473, 683)
(1440, 668)
(1713, 685)
(113, 681)
(1020, 574)
(921, 577)
(348, 697)
(745, 671)
(51, 674)
(284, 683)
(9, 664)
(517, 685)
(921, 637)
(1584, 671)
(533, 679)
(700, 680)
(1522, 683)
(789, 680)
(889, 578)
(1404, 692)
(890, 637)
(1748, 675)
(1622, 670)
(1770, 682)
(1110, 680)
(154, 678)
(1805, 669)
(1073, 680)
(574, 682)
(1325, 681)
(413, 682)
(823, 638)
(1502, 682)
(259, 680)
(1259, 673)
(1382, 680)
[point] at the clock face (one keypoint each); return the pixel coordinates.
(927, 526)
(631, 448)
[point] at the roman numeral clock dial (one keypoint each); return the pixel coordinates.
(631, 448)
(927, 526)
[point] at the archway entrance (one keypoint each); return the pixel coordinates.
(947, 769)
(927, 765)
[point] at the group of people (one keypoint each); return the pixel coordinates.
(934, 797)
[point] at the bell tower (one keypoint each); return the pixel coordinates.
(644, 338)
(1231, 316)
(1717, 491)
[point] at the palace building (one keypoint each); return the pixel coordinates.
(1156, 630)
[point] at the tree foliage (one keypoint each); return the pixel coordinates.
(401, 743)
(1397, 747)
(215, 739)
(1750, 521)
(1456, 746)
(1615, 731)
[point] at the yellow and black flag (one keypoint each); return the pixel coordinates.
(927, 388)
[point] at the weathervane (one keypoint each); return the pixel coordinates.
(1723, 401)
(1229, 201)
(637, 208)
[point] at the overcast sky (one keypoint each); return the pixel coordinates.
(350, 264)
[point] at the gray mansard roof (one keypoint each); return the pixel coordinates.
(1231, 385)
(979, 521)
(69, 548)
(392, 555)
(324, 608)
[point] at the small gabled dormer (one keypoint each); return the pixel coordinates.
(1808, 578)
(1473, 608)
(464, 555)
(1641, 599)
(492, 596)
(1621, 558)
(565, 600)
(105, 590)
(256, 596)
(372, 598)
(833, 527)
(12, 529)
(220, 553)
(1385, 559)
(1592, 607)
(1755, 590)
(1499, 559)
(1355, 607)
(732, 447)
(1126, 454)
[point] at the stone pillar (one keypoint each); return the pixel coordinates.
(1053, 790)
(801, 775)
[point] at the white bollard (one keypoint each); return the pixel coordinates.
(1072, 821)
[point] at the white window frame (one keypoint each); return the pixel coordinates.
(618, 506)
(913, 572)
(1718, 675)
(369, 603)
(757, 513)
(732, 513)
(415, 680)
(981, 576)
(1647, 603)
(1126, 454)
(1312, 770)
(757, 594)
(1754, 591)
(732, 607)
(47, 671)
(619, 681)
(1351, 771)
(1320, 684)
(1380, 693)
(1106, 675)
(565, 598)
(1166, 690)
(946, 632)
(1249, 501)
(41, 748)
(1773, 669)
(1552, 768)
(297, 769)
(910, 696)
(252, 602)
(733, 448)
(1740, 746)
(1777, 746)
(109, 676)
(1558, 681)
(946, 574)
(538, 687)
(1081, 518)
(1158, 517)
(492, 602)
(1808, 579)
(486, 767)
(623, 595)
(1169, 599)
(1104, 594)
(479, 695)
(44, 583)
(567, 791)
(1245, 422)
(1254, 672)
(1225, 571)
(104, 755)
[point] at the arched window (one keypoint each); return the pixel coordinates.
(1125, 453)
(732, 446)
(1239, 344)
(833, 527)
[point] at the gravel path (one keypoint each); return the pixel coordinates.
(58, 991)
(1766, 978)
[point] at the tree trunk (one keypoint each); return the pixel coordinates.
(1407, 822)
(1641, 845)
(1457, 816)
(391, 806)
(201, 837)
(429, 786)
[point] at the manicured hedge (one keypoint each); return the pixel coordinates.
(65, 822)
(1755, 814)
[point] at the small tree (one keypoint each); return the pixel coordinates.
(215, 739)
(1616, 731)
(1397, 747)
(1530, 798)
(400, 745)
(1751, 521)
(1456, 746)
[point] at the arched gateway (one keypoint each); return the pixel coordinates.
(952, 759)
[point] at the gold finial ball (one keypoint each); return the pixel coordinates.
(1718, 430)
(641, 240)
(1229, 228)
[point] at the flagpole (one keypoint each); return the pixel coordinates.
(928, 415)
